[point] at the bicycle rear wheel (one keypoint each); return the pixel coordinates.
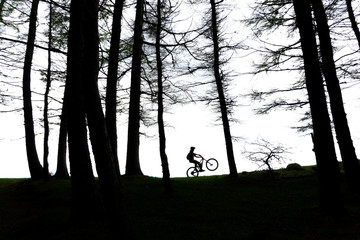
(192, 172)
(212, 164)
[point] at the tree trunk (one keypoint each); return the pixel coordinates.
(353, 21)
(109, 180)
(32, 156)
(347, 150)
(46, 101)
(328, 168)
(112, 80)
(162, 137)
(1, 9)
(61, 169)
(86, 200)
(219, 80)
(133, 143)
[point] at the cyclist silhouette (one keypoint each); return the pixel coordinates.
(190, 156)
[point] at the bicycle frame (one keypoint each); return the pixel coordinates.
(201, 162)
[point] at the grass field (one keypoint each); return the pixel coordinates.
(252, 206)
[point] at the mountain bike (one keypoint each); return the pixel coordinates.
(211, 164)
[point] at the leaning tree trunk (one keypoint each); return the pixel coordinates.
(32, 156)
(133, 143)
(112, 80)
(328, 167)
(61, 169)
(219, 85)
(353, 21)
(347, 150)
(162, 137)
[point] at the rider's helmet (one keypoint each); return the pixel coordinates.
(192, 148)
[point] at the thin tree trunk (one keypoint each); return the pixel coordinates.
(328, 168)
(46, 101)
(61, 169)
(133, 143)
(162, 137)
(353, 21)
(347, 150)
(32, 156)
(112, 80)
(1, 9)
(219, 80)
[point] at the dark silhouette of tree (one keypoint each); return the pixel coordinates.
(32, 156)
(46, 99)
(162, 138)
(13, 51)
(1, 9)
(264, 153)
(282, 56)
(61, 167)
(86, 199)
(84, 20)
(328, 167)
(60, 31)
(210, 52)
(352, 18)
(162, 48)
(112, 80)
(274, 56)
(132, 157)
(219, 79)
(108, 177)
(347, 150)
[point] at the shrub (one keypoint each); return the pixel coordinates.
(294, 166)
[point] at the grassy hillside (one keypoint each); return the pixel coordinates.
(253, 206)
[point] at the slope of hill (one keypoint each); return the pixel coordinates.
(252, 206)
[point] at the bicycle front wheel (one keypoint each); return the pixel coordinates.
(212, 164)
(192, 172)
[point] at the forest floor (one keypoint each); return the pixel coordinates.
(252, 206)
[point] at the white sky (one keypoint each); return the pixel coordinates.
(192, 125)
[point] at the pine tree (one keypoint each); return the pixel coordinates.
(328, 167)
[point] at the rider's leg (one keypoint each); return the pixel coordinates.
(201, 166)
(196, 163)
